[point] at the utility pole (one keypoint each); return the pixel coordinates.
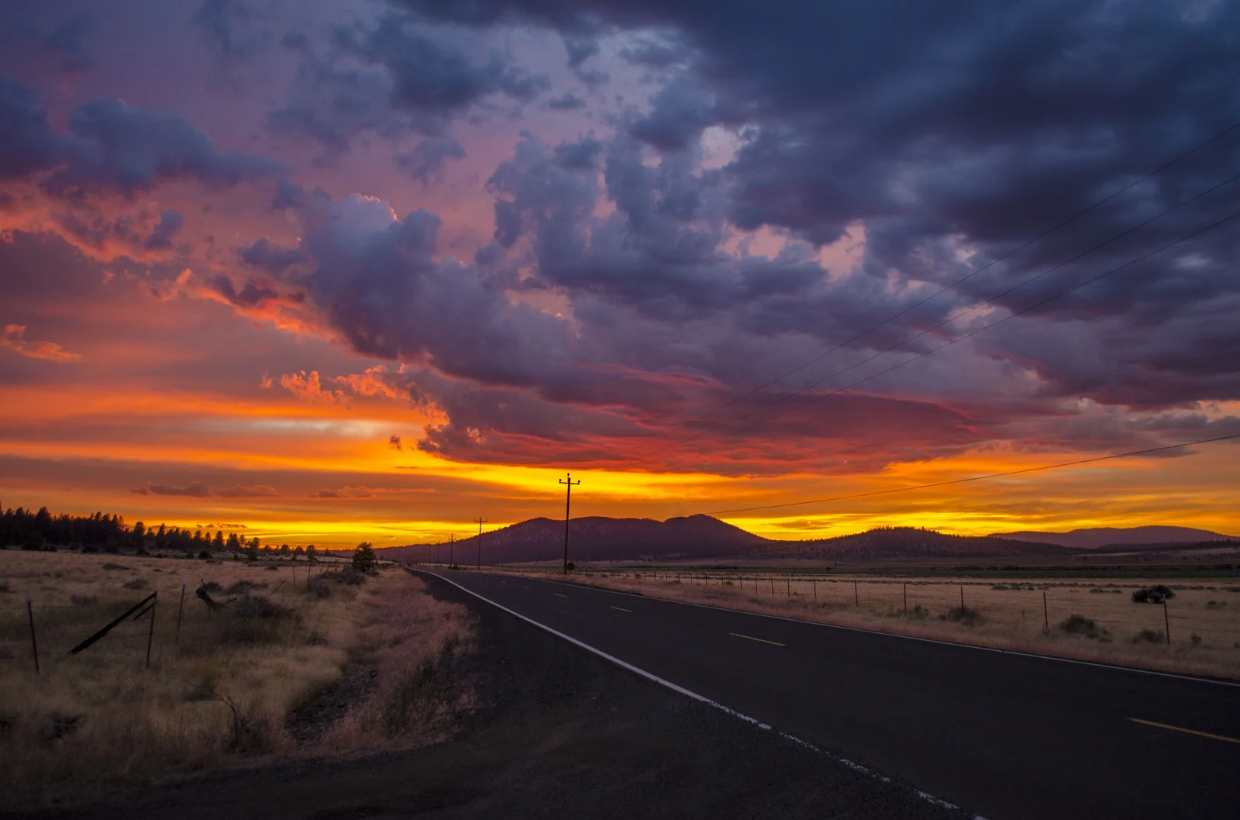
(480, 521)
(568, 501)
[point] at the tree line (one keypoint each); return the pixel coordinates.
(39, 530)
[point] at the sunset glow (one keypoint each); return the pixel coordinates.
(272, 272)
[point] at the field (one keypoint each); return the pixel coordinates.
(1024, 613)
(241, 684)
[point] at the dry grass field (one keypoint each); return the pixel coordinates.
(224, 688)
(1204, 615)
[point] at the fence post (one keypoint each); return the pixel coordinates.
(815, 590)
(1167, 621)
(1046, 618)
(772, 580)
(180, 609)
(150, 635)
(856, 595)
(962, 596)
(906, 597)
(788, 583)
(34, 644)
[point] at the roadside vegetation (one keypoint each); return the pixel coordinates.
(261, 661)
(1103, 619)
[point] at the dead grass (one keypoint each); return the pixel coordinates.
(998, 615)
(216, 696)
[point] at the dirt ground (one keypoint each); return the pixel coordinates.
(560, 733)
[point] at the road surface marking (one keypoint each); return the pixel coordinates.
(622, 609)
(929, 798)
(558, 595)
(751, 638)
(1185, 731)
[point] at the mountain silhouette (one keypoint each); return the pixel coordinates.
(1098, 537)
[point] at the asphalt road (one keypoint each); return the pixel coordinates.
(999, 734)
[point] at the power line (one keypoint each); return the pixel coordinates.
(954, 284)
(976, 331)
(979, 477)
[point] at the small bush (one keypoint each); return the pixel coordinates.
(136, 583)
(1215, 604)
(213, 586)
(1153, 595)
(1195, 639)
(347, 576)
(114, 567)
(964, 615)
(1080, 625)
(318, 588)
(203, 555)
(83, 600)
(1150, 636)
(271, 568)
(5, 588)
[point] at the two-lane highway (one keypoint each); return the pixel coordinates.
(1001, 734)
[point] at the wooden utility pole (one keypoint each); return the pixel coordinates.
(568, 501)
(480, 521)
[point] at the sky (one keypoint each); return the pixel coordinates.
(332, 271)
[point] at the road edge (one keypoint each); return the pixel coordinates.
(857, 767)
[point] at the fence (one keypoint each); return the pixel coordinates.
(1202, 613)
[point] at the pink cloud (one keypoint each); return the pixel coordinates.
(14, 339)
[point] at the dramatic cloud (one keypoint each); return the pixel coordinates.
(196, 489)
(426, 161)
(13, 338)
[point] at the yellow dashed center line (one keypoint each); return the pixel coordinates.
(1185, 731)
(752, 638)
(622, 609)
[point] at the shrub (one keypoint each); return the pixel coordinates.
(136, 583)
(364, 558)
(347, 576)
(83, 600)
(1215, 604)
(1195, 639)
(964, 615)
(1080, 625)
(1150, 636)
(204, 555)
(1153, 595)
(111, 567)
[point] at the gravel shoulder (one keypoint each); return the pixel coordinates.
(560, 733)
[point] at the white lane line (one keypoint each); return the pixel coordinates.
(996, 650)
(1185, 731)
(558, 595)
(752, 638)
(622, 609)
(929, 798)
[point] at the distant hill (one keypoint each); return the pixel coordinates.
(1098, 537)
(598, 539)
(905, 542)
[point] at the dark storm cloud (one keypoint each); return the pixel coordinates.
(568, 101)
(426, 161)
(169, 224)
(952, 132)
(67, 42)
(270, 257)
(378, 283)
(28, 145)
(114, 146)
(392, 78)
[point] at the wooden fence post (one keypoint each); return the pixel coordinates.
(34, 644)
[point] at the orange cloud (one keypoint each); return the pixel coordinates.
(307, 387)
(13, 339)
